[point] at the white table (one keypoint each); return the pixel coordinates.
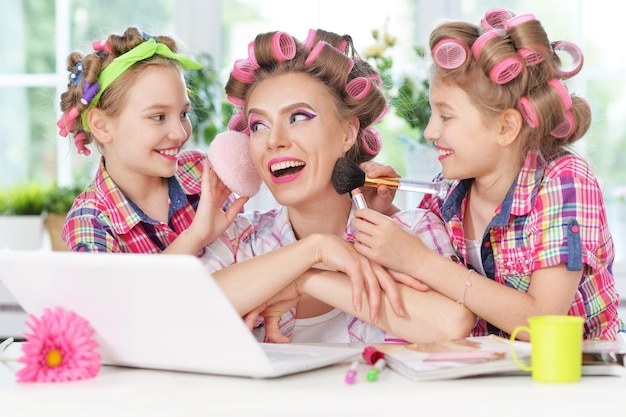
(136, 392)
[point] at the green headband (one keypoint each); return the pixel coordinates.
(120, 64)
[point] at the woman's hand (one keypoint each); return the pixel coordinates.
(272, 310)
(337, 254)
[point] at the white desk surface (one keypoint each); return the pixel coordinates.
(137, 392)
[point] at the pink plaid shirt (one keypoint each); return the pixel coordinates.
(553, 214)
(102, 219)
(256, 233)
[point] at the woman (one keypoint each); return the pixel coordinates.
(305, 105)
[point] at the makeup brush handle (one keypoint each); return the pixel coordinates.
(439, 188)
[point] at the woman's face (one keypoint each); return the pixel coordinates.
(296, 136)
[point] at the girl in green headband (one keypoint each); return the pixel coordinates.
(129, 97)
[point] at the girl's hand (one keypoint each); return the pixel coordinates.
(210, 220)
(387, 242)
(379, 198)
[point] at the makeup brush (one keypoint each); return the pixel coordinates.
(347, 176)
(229, 154)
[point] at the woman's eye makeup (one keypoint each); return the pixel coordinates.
(255, 123)
(301, 114)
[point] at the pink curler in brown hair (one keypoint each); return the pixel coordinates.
(506, 69)
(102, 45)
(518, 20)
(381, 115)
(283, 46)
(236, 101)
(564, 95)
(251, 56)
(310, 38)
(575, 54)
(79, 142)
(238, 123)
(530, 57)
(315, 52)
(528, 112)
(370, 140)
(566, 127)
(243, 71)
(359, 87)
(450, 53)
(495, 19)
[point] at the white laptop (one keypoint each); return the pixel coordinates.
(155, 311)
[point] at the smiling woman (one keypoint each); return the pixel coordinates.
(305, 105)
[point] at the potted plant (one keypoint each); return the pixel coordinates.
(21, 215)
(207, 97)
(407, 92)
(58, 203)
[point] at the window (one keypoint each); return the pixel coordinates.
(32, 70)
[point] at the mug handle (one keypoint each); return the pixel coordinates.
(517, 361)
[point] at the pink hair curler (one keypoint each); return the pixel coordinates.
(342, 45)
(566, 127)
(102, 44)
(482, 40)
(89, 92)
(66, 121)
(495, 19)
(506, 70)
(243, 71)
(229, 154)
(238, 123)
(530, 57)
(528, 112)
(358, 87)
(251, 56)
(283, 46)
(310, 38)
(315, 52)
(381, 115)
(376, 79)
(236, 101)
(370, 139)
(79, 142)
(564, 95)
(518, 20)
(450, 53)
(575, 55)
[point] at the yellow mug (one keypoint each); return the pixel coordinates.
(556, 343)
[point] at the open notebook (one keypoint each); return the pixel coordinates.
(155, 311)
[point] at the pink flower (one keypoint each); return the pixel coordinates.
(60, 348)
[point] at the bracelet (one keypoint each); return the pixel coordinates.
(468, 284)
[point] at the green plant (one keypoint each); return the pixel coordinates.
(408, 96)
(206, 98)
(60, 198)
(25, 198)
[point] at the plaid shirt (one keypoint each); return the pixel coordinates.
(256, 233)
(102, 219)
(553, 214)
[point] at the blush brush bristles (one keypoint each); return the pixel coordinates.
(347, 176)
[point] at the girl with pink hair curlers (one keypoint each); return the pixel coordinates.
(525, 214)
